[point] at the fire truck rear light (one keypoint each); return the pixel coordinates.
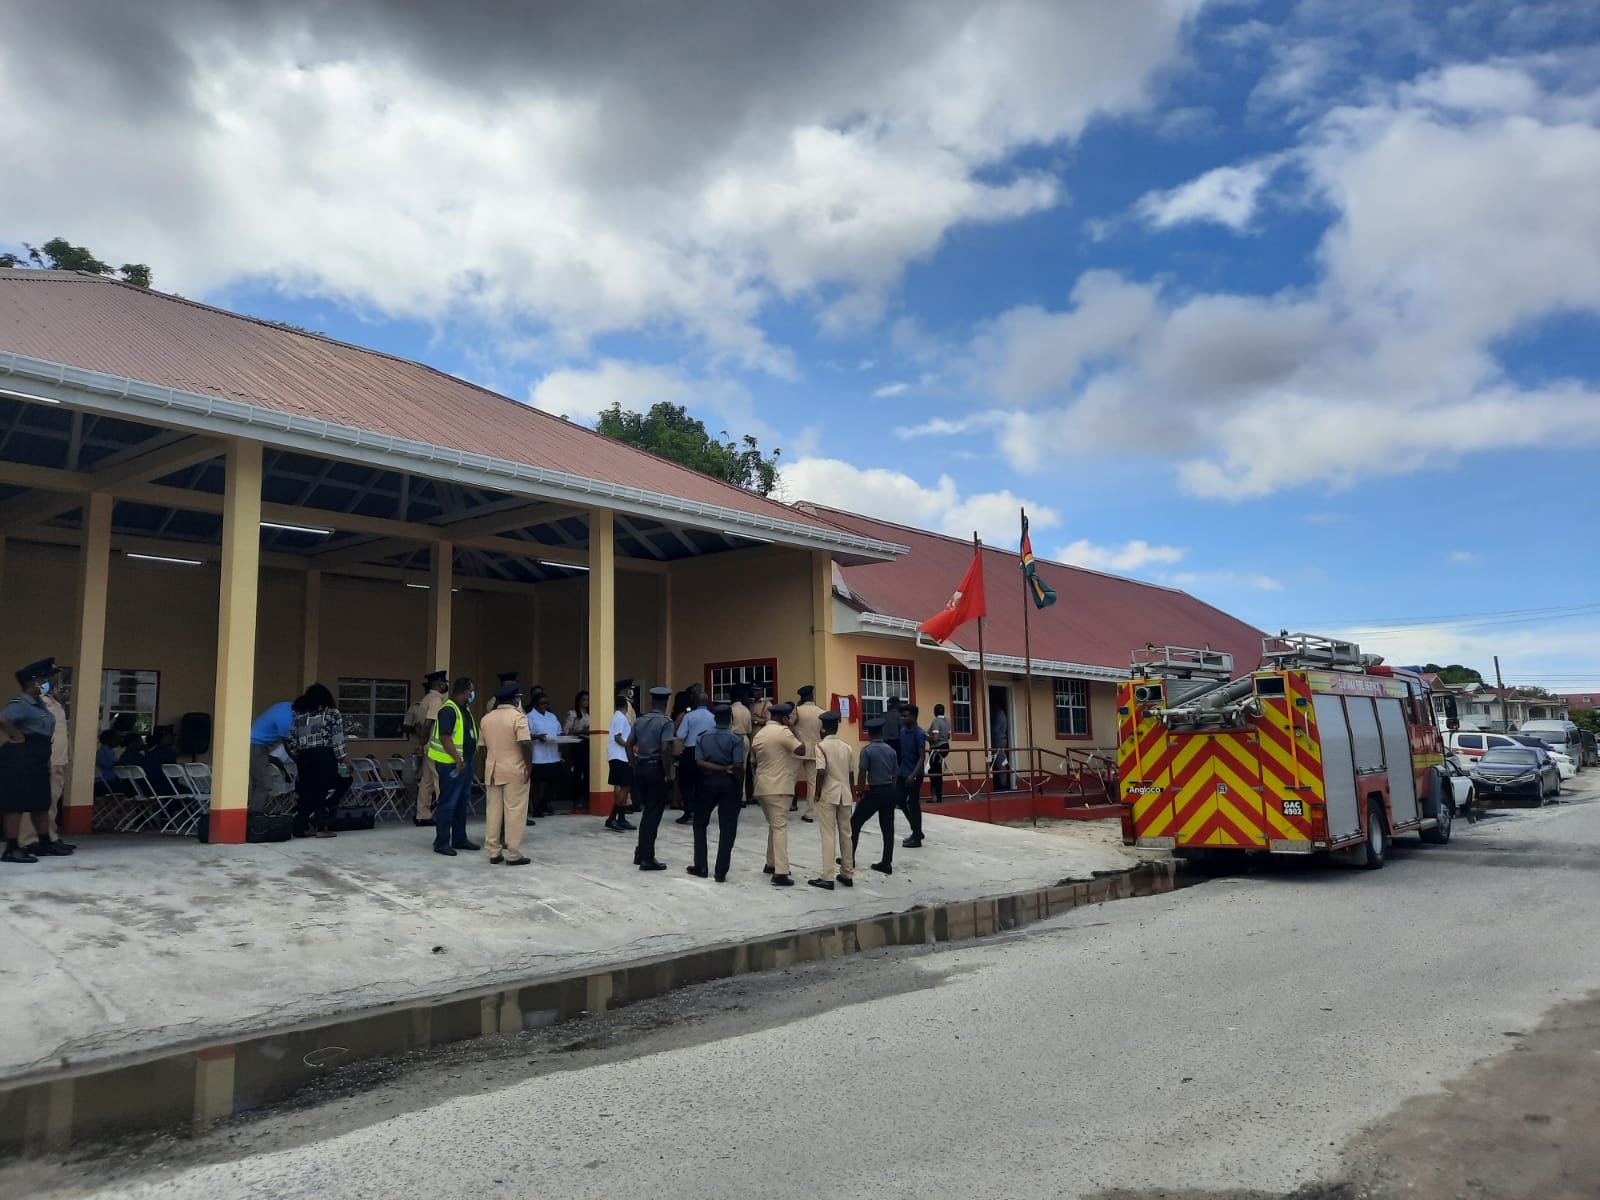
(1290, 846)
(1157, 843)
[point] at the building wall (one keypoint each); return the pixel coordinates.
(742, 606)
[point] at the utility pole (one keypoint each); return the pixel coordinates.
(1505, 706)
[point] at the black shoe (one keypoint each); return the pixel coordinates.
(720, 878)
(530, 821)
(466, 845)
(617, 826)
(767, 869)
(423, 823)
(498, 859)
(846, 881)
(627, 824)
(519, 862)
(825, 884)
(638, 857)
(446, 850)
(795, 807)
(684, 820)
(911, 843)
(652, 865)
(67, 846)
(16, 854)
(700, 871)
(886, 868)
(807, 820)
(782, 881)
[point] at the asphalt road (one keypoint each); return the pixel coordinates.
(1305, 1027)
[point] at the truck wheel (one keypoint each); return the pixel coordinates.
(1439, 835)
(1371, 853)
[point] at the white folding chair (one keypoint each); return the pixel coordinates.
(394, 770)
(111, 803)
(152, 807)
(187, 805)
(371, 787)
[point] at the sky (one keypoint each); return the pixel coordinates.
(1293, 304)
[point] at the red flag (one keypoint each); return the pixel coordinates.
(965, 605)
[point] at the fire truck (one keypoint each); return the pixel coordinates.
(1322, 749)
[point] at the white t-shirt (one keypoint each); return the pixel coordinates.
(621, 727)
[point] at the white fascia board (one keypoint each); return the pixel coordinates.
(135, 400)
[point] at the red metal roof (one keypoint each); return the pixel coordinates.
(104, 325)
(1577, 701)
(1097, 618)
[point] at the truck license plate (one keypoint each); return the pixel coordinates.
(1294, 808)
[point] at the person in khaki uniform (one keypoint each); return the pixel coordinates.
(742, 722)
(836, 787)
(437, 684)
(778, 754)
(508, 756)
(60, 756)
(808, 728)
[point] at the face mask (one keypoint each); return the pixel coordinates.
(471, 696)
(44, 688)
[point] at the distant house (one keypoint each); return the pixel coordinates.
(1582, 701)
(1480, 706)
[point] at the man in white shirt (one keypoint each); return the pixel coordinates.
(619, 766)
(544, 727)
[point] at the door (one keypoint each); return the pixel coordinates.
(1002, 734)
(1397, 754)
(1338, 769)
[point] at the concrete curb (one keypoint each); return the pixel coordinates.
(195, 1085)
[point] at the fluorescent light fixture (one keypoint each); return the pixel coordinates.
(561, 566)
(427, 587)
(162, 558)
(749, 537)
(296, 528)
(27, 396)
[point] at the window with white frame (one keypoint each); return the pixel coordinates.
(374, 709)
(1072, 708)
(722, 678)
(960, 703)
(880, 680)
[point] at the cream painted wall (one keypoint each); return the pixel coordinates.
(743, 605)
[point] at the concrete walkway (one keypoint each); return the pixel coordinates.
(140, 943)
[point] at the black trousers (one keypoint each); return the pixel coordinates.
(911, 803)
(650, 790)
(723, 795)
(688, 780)
(936, 776)
(881, 802)
(319, 790)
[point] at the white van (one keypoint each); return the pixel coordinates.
(1476, 743)
(1558, 735)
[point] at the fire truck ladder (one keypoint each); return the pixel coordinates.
(1203, 669)
(1288, 651)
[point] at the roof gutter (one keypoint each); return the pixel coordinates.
(135, 400)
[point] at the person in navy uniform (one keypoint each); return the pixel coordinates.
(653, 747)
(694, 724)
(719, 755)
(26, 729)
(913, 755)
(876, 774)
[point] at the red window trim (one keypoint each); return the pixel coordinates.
(878, 660)
(745, 662)
(972, 703)
(1088, 713)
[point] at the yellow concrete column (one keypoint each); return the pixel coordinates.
(602, 642)
(821, 621)
(94, 573)
(439, 609)
(311, 646)
(236, 642)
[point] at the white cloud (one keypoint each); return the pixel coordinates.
(1462, 557)
(1224, 196)
(890, 389)
(896, 496)
(1452, 232)
(1226, 581)
(1531, 654)
(581, 395)
(1129, 556)
(567, 175)
(951, 427)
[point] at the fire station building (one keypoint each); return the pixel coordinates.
(201, 513)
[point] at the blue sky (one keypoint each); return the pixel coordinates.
(1295, 305)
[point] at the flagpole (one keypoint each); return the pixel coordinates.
(982, 711)
(1027, 658)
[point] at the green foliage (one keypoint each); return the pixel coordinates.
(1587, 718)
(1455, 674)
(668, 430)
(58, 254)
(1534, 693)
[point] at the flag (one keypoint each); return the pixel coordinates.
(1043, 595)
(966, 604)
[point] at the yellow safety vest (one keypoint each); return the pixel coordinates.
(436, 750)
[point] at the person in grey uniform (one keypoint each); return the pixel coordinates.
(719, 756)
(876, 775)
(653, 748)
(939, 731)
(26, 728)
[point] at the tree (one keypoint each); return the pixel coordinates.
(668, 430)
(58, 254)
(1587, 718)
(1454, 675)
(1534, 693)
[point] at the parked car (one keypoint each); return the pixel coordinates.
(1568, 768)
(1516, 773)
(1475, 743)
(1557, 735)
(1460, 772)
